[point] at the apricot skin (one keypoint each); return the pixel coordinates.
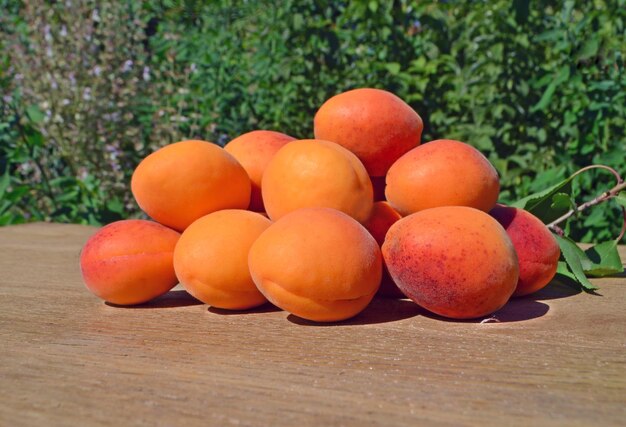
(129, 262)
(211, 259)
(254, 150)
(315, 173)
(382, 218)
(442, 173)
(537, 249)
(374, 124)
(454, 261)
(181, 182)
(318, 264)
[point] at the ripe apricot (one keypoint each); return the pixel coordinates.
(455, 261)
(211, 258)
(374, 124)
(129, 262)
(537, 249)
(254, 150)
(181, 182)
(382, 218)
(316, 173)
(317, 263)
(442, 173)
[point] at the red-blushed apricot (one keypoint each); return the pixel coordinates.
(181, 182)
(129, 262)
(314, 173)
(382, 218)
(442, 173)
(254, 150)
(537, 249)
(318, 264)
(211, 259)
(454, 261)
(374, 124)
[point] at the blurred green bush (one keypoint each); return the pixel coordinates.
(91, 88)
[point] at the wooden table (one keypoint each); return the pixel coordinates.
(66, 358)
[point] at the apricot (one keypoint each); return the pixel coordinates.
(374, 124)
(211, 259)
(382, 218)
(129, 262)
(442, 173)
(318, 264)
(316, 173)
(181, 182)
(454, 261)
(254, 150)
(537, 249)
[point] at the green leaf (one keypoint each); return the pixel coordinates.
(589, 49)
(373, 5)
(114, 205)
(574, 256)
(560, 78)
(561, 202)
(34, 113)
(393, 67)
(548, 204)
(603, 260)
(621, 199)
(563, 269)
(5, 180)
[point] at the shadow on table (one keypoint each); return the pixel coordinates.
(265, 308)
(558, 288)
(172, 299)
(516, 310)
(380, 310)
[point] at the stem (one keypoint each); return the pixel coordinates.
(621, 185)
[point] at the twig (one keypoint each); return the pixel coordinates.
(621, 185)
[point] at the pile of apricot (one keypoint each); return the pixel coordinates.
(319, 227)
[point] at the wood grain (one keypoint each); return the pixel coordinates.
(66, 358)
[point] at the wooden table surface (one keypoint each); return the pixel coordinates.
(558, 358)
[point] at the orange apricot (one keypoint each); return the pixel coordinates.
(318, 264)
(129, 262)
(374, 124)
(316, 173)
(454, 261)
(254, 150)
(382, 218)
(181, 182)
(537, 249)
(442, 173)
(211, 258)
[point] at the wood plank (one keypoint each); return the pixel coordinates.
(557, 358)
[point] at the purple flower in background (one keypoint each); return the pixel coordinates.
(146, 74)
(128, 65)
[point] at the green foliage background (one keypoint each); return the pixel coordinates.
(539, 87)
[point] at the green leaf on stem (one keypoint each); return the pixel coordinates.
(574, 258)
(548, 204)
(603, 260)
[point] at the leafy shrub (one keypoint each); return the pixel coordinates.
(539, 87)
